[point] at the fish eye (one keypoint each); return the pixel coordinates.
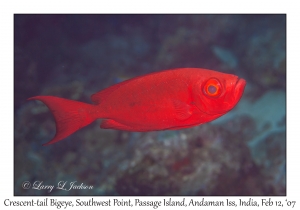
(212, 87)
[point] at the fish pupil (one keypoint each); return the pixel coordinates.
(212, 89)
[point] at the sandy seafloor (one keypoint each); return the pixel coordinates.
(74, 56)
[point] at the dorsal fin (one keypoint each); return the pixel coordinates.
(101, 95)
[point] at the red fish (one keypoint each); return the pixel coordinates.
(165, 100)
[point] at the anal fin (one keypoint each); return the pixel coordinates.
(111, 124)
(183, 127)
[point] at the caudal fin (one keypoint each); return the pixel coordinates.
(69, 115)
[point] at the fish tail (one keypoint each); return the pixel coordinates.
(69, 115)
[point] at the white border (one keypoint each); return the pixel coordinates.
(8, 8)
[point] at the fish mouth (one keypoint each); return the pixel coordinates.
(239, 88)
(240, 81)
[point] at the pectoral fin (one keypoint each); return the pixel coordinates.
(183, 110)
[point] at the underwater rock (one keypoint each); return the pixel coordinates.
(267, 142)
(200, 157)
(265, 59)
(226, 56)
(183, 48)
